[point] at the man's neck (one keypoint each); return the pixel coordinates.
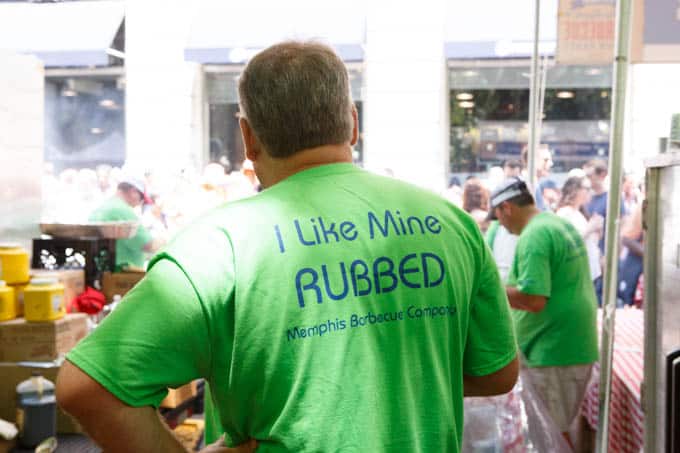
(273, 170)
(527, 213)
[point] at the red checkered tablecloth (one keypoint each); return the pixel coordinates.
(626, 420)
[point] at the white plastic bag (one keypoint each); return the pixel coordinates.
(516, 422)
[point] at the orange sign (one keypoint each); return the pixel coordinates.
(585, 32)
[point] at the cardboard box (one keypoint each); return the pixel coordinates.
(190, 433)
(179, 395)
(119, 283)
(14, 373)
(40, 341)
(6, 446)
(72, 279)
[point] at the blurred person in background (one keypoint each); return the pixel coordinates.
(555, 309)
(575, 195)
(103, 172)
(630, 193)
(367, 373)
(454, 192)
(67, 202)
(213, 187)
(596, 170)
(496, 175)
(476, 202)
(121, 207)
(512, 168)
(87, 185)
(632, 254)
(242, 183)
(546, 194)
(154, 217)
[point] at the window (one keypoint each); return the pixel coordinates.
(84, 121)
(489, 113)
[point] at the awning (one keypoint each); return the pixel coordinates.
(62, 34)
(498, 29)
(229, 33)
(496, 49)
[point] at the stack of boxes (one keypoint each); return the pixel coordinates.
(26, 346)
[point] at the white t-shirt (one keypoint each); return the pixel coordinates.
(504, 245)
(576, 218)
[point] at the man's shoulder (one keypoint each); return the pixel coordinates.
(113, 209)
(541, 227)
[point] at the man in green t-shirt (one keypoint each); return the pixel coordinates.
(129, 194)
(337, 310)
(555, 309)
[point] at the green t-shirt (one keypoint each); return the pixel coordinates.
(128, 251)
(551, 261)
(335, 311)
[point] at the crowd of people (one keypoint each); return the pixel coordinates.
(581, 199)
(344, 310)
(161, 204)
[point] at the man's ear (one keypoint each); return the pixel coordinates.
(250, 142)
(355, 127)
(506, 208)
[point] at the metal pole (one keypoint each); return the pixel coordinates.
(541, 97)
(651, 271)
(622, 36)
(534, 94)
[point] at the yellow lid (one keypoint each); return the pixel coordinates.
(9, 245)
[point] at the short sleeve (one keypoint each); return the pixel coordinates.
(532, 273)
(156, 338)
(491, 342)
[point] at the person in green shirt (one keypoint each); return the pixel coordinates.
(555, 308)
(130, 194)
(337, 310)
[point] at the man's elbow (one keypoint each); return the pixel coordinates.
(510, 377)
(506, 378)
(502, 381)
(72, 391)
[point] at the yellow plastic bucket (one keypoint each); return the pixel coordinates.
(7, 302)
(44, 300)
(19, 297)
(13, 263)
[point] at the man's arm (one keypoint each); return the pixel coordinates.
(112, 424)
(522, 301)
(502, 381)
(117, 427)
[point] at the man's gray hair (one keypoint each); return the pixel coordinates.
(296, 95)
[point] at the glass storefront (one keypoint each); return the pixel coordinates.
(489, 112)
(225, 145)
(84, 120)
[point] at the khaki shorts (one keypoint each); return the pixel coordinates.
(561, 390)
